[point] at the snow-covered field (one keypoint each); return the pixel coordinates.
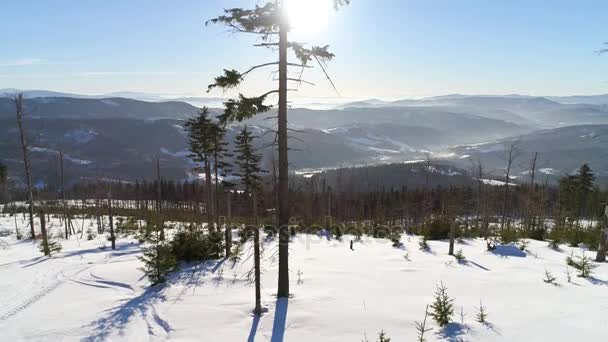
(93, 294)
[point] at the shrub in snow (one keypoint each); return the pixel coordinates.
(396, 238)
(438, 229)
(90, 234)
(585, 266)
(582, 263)
(482, 315)
(235, 255)
(568, 274)
(508, 235)
(53, 244)
(158, 259)
(459, 256)
(129, 226)
(490, 245)
(191, 246)
(549, 278)
(443, 306)
(382, 337)
(424, 246)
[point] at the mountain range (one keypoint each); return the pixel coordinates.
(119, 138)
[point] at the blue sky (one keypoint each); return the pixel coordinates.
(384, 48)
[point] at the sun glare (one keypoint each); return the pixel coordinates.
(308, 17)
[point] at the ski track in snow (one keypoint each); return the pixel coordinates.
(60, 279)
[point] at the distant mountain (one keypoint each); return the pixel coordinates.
(29, 94)
(561, 151)
(150, 97)
(589, 99)
(456, 126)
(67, 107)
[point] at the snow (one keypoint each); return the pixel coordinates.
(81, 136)
(548, 171)
(110, 102)
(86, 293)
(495, 182)
(65, 156)
(178, 154)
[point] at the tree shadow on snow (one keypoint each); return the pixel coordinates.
(596, 281)
(117, 318)
(471, 263)
(254, 328)
(280, 318)
(121, 250)
(506, 251)
(453, 332)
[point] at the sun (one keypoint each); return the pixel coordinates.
(308, 17)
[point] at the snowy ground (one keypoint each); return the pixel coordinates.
(92, 294)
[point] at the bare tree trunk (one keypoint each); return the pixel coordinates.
(283, 205)
(159, 203)
(111, 218)
(601, 251)
(529, 211)
(45, 238)
(63, 197)
(210, 206)
(256, 258)
(452, 233)
(511, 157)
(25, 149)
(228, 230)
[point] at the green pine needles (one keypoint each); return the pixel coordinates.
(443, 306)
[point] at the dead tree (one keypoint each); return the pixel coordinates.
(159, 203)
(256, 257)
(511, 157)
(603, 246)
(45, 239)
(111, 219)
(529, 211)
(25, 150)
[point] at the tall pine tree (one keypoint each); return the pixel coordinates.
(269, 22)
(248, 162)
(199, 130)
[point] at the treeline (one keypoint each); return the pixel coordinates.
(312, 201)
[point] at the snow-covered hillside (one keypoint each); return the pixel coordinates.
(90, 293)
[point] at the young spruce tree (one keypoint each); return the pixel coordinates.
(443, 307)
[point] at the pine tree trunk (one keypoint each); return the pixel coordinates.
(228, 226)
(210, 209)
(452, 233)
(26, 160)
(63, 198)
(283, 205)
(159, 203)
(111, 218)
(601, 251)
(256, 259)
(45, 238)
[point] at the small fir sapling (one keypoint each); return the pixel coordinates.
(549, 278)
(459, 256)
(443, 306)
(482, 315)
(424, 246)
